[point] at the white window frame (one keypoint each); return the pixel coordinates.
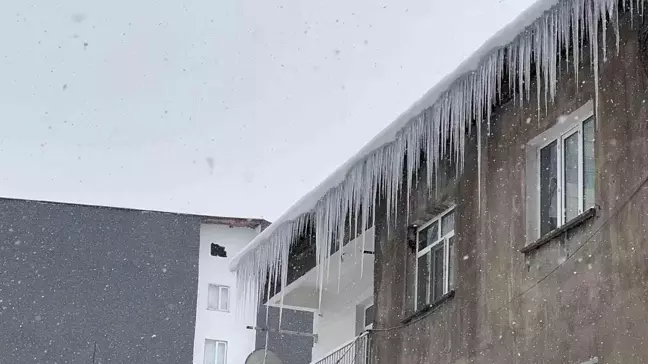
(221, 288)
(443, 239)
(560, 175)
(571, 124)
(217, 342)
(364, 316)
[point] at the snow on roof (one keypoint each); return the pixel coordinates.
(534, 39)
(308, 202)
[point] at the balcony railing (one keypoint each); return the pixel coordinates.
(356, 352)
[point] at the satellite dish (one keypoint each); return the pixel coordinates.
(258, 356)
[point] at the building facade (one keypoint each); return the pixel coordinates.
(546, 263)
(84, 283)
(530, 246)
(221, 335)
(111, 285)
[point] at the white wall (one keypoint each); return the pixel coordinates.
(335, 324)
(225, 326)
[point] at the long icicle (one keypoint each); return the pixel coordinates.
(567, 26)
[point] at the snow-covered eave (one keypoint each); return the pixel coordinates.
(307, 203)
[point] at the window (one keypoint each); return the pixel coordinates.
(216, 250)
(369, 317)
(218, 298)
(435, 259)
(566, 176)
(563, 170)
(215, 352)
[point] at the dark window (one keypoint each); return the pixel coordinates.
(369, 316)
(548, 188)
(218, 251)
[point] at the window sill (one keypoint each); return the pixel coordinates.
(573, 223)
(425, 309)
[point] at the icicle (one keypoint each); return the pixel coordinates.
(575, 21)
(479, 161)
(641, 9)
(439, 132)
(265, 349)
(592, 12)
(539, 64)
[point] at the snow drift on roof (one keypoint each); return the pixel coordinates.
(445, 113)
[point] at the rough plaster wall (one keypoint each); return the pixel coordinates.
(74, 275)
(596, 304)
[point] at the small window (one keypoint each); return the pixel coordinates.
(218, 298)
(215, 352)
(561, 173)
(369, 313)
(435, 259)
(218, 251)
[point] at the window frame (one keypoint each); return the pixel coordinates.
(217, 342)
(220, 288)
(560, 174)
(364, 316)
(559, 133)
(442, 239)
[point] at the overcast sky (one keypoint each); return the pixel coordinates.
(209, 106)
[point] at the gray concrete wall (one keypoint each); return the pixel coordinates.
(594, 305)
(74, 275)
(291, 349)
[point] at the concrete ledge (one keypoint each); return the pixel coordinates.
(575, 222)
(427, 308)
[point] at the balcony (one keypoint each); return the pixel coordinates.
(357, 351)
(348, 268)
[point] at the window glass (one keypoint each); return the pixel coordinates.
(213, 297)
(210, 352)
(218, 298)
(447, 223)
(215, 352)
(438, 278)
(369, 316)
(548, 188)
(452, 263)
(571, 176)
(564, 184)
(589, 172)
(224, 299)
(423, 281)
(428, 235)
(222, 352)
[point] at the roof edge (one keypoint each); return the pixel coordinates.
(308, 202)
(252, 223)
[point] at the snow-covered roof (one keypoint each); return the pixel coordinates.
(533, 39)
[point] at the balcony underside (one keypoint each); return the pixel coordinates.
(349, 268)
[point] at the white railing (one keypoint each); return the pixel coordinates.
(357, 351)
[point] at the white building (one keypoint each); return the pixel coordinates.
(346, 307)
(221, 337)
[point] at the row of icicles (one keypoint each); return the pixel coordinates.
(563, 28)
